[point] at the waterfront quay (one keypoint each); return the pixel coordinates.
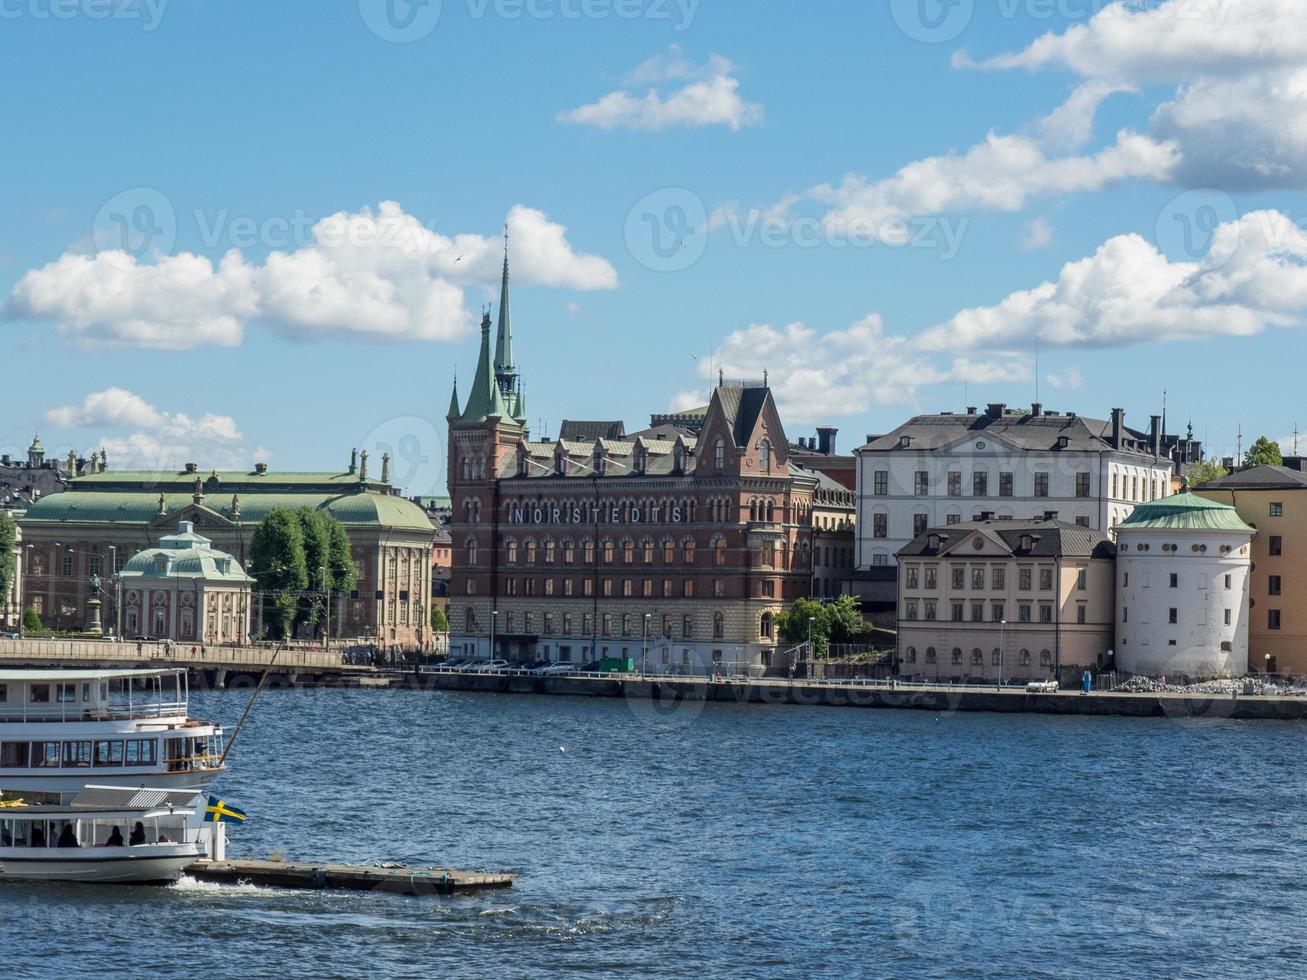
(941, 699)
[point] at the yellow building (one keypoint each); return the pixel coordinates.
(1273, 499)
(1016, 600)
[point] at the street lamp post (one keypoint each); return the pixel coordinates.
(812, 654)
(494, 618)
(1002, 649)
(326, 629)
(644, 646)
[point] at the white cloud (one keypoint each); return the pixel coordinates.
(1239, 115)
(1037, 234)
(1071, 125)
(369, 275)
(1072, 378)
(1001, 174)
(707, 95)
(817, 376)
(1129, 293)
(161, 440)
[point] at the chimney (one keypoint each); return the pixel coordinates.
(261, 468)
(972, 410)
(192, 467)
(995, 410)
(826, 439)
(1155, 435)
(1118, 424)
(1036, 409)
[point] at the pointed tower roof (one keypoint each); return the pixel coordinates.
(454, 411)
(519, 405)
(504, 366)
(485, 399)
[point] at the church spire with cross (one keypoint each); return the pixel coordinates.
(505, 369)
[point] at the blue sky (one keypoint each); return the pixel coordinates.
(227, 129)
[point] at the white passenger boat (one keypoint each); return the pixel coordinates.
(107, 834)
(63, 729)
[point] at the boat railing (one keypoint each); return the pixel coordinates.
(78, 713)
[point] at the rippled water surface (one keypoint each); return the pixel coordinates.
(723, 840)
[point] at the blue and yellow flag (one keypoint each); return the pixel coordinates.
(219, 812)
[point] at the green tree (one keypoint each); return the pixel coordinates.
(439, 621)
(845, 620)
(327, 559)
(1264, 452)
(793, 624)
(32, 621)
(278, 565)
(8, 537)
(1205, 472)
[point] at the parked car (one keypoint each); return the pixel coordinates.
(492, 666)
(1042, 687)
(562, 667)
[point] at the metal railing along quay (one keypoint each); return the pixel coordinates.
(160, 653)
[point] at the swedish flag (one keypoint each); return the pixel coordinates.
(219, 812)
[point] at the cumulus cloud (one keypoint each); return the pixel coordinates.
(817, 375)
(370, 275)
(137, 435)
(1128, 292)
(1001, 174)
(1036, 235)
(1238, 117)
(672, 92)
(1072, 378)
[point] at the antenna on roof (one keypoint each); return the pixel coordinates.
(1036, 369)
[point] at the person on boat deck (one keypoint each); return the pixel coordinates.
(115, 838)
(67, 836)
(38, 837)
(138, 834)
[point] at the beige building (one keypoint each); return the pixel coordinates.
(1272, 499)
(1016, 600)
(185, 590)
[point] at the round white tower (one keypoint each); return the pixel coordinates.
(1182, 571)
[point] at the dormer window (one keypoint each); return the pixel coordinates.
(719, 455)
(933, 542)
(1063, 442)
(641, 459)
(599, 462)
(560, 463)
(523, 463)
(678, 458)
(905, 442)
(1027, 542)
(764, 456)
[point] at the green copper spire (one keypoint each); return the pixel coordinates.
(505, 369)
(485, 397)
(454, 411)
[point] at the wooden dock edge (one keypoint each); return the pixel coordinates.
(303, 875)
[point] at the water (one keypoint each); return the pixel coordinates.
(723, 840)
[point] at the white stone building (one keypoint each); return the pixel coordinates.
(951, 468)
(1182, 573)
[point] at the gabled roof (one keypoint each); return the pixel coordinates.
(1024, 432)
(1260, 478)
(589, 431)
(742, 406)
(1048, 539)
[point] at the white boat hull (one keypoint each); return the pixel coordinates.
(101, 865)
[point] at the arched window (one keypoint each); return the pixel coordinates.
(560, 463)
(569, 551)
(628, 551)
(669, 551)
(719, 455)
(931, 656)
(764, 456)
(719, 550)
(912, 655)
(718, 626)
(687, 551)
(765, 627)
(640, 459)
(647, 551)
(1023, 658)
(471, 550)
(510, 551)
(471, 621)
(771, 511)
(530, 551)
(977, 657)
(609, 552)
(753, 510)
(678, 458)
(588, 551)
(551, 551)
(957, 655)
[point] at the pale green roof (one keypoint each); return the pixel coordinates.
(359, 509)
(185, 555)
(230, 482)
(1185, 512)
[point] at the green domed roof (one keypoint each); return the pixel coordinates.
(1185, 512)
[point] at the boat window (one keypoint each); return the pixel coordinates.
(45, 755)
(66, 693)
(4, 693)
(15, 833)
(77, 755)
(109, 753)
(141, 752)
(86, 692)
(38, 693)
(13, 755)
